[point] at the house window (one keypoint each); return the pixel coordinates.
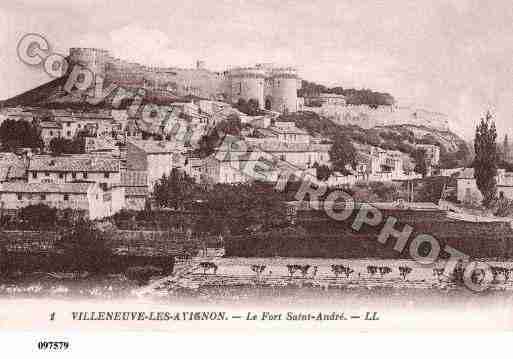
(20, 196)
(85, 175)
(34, 174)
(61, 175)
(74, 175)
(68, 133)
(51, 133)
(106, 174)
(66, 197)
(43, 197)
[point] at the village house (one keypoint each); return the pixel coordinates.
(87, 198)
(288, 132)
(94, 123)
(155, 157)
(432, 153)
(104, 170)
(12, 167)
(332, 99)
(299, 154)
(101, 146)
(377, 164)
(238, 169)
(466, 187)
(194, 168)
(135, 185)
(49, 131)
(468, 192)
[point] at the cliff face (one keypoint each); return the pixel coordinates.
(368, 117)
(454, 151)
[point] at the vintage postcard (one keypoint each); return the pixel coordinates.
(277, 166)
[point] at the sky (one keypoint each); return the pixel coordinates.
(452, 56)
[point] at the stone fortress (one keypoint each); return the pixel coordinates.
(275, 88)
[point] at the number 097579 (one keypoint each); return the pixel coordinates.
(43, 345)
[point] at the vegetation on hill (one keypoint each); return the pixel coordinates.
(453, 150)
(214, 138)
(353, 96)
(250, 107)
(19, 133)
(60, 145)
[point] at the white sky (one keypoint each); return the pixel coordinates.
(454, 56)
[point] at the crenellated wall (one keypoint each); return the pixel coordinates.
(265, 83)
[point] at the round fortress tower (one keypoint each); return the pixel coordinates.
(247, 83)
(95, 60)
(281, 95)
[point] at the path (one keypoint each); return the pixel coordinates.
(180, 270)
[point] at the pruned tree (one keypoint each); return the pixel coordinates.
(404, 271)
(383, 270)
(258, 269)
(304, 269)
(293, 268)
(208, 266)
(372, 270)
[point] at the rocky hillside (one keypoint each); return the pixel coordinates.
(454, 152)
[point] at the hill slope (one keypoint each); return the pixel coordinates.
(454, 151)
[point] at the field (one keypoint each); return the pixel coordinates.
(235, 283)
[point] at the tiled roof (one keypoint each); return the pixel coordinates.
(150, 146)
(74, 163)
(25, 187)
(131, 178)
(466, 173)
(288, 129)
(50, 124)
(98, 144)
(136, 191)
(333, 95)
(278, 146)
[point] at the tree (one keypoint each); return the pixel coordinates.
(420, 162)
(231, 126)
(506, 151)
(323, 171)
(19, 133)
(207, 143)
(87, 246)
(39, 216)
(251, 107)
(176, 190)
(486, 158)
(244, 207)
(342, 153)
(60, 145)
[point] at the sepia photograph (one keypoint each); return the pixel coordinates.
(201, 167)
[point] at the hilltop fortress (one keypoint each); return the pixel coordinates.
(275, 88)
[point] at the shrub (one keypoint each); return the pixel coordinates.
(39, 216)
(142, 274)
